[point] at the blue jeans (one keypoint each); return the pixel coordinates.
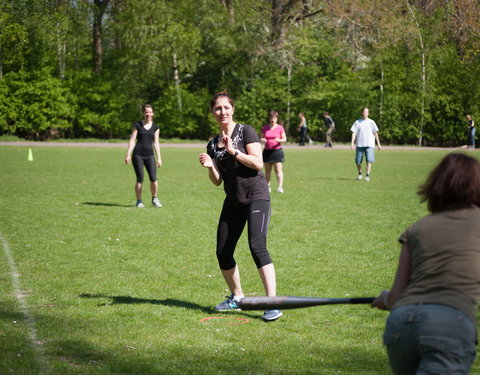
(471, 137)
(429, 339)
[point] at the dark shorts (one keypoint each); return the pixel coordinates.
(273, 156)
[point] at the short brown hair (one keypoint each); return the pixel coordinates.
(455, 181)
(218, 95)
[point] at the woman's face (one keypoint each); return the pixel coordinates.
(148, 114)
(223, 111)
(273, 120)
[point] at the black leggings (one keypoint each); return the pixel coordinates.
(148, 162)
(230, 228)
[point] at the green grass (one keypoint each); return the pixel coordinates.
(118, 290)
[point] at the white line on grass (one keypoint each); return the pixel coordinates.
(30, 320)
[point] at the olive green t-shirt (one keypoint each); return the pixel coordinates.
(444, 249)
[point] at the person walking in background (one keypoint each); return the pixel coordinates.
(303, 129)
(234, 156)
(471, 131)
(273, 135)
(364, 134)
(431, 328)
(143, 141)
(330, 126)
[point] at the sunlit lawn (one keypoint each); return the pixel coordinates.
(112, 289)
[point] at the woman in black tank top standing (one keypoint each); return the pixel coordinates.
(144, 139)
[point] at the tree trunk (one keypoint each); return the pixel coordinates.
(423, 77)
(99, 11)
(177, 85)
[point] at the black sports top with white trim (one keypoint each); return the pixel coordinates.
(242, 184)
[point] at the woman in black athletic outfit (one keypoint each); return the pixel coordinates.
(144, 138)
(235, 157)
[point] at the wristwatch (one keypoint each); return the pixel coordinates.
(235, 154)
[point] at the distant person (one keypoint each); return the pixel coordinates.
(273, 135)
(330, 126)
(303, 129)
(471, 131)
(431, 328)
(364, 134)
(234, 156)
(143, 141)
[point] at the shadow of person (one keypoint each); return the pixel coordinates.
(105, 204)
(171, 302)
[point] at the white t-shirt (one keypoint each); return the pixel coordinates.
(365, 130)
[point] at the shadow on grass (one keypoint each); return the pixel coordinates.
(127, 300)
(104, 204)
(66, 351)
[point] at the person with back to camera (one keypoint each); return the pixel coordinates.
(143, 141)
(273, 135)
(431, 328)
(234, 156)
(303, 129)
(471, 131)
(364, 134)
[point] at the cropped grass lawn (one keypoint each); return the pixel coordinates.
(91, 285)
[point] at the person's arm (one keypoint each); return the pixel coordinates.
(302, 121)
(283, 137)
(252, 159)
(378, 141)
(354, 137)
(131, 146)
(213, 174)
(156, 145)
(387, 299)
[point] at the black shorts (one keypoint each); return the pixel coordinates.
(148, 162)
(273, 156)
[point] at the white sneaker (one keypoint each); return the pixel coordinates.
(140, 204)
(359, 177)
(280, 189)
(156, 202)
(367, 178)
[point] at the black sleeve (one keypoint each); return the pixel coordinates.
(249, 135)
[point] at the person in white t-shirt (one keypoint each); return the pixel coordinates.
(364, 134)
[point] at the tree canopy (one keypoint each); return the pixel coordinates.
(84, 68)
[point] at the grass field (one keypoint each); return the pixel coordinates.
(91, 285)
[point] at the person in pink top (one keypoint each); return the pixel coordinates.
(273, 135)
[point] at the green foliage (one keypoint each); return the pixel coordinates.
(335, 56)
(38, 104)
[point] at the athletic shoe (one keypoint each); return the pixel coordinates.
(228, 305)
(280, 189)
(140, 204)
(359, 177)
(367, 178)
(156, 202)
(270, 315)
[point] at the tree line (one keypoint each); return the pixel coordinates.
(84, 68)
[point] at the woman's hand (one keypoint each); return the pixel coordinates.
(159, 163)
(381, 302)
(128, 158)
(205, 160)
(227, 141)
